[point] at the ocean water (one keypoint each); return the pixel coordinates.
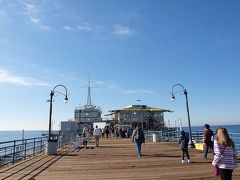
(230, 128)
(18, 135)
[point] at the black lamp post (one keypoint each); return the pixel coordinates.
(53, 92)
(190, 144)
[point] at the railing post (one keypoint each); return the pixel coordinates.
(25, 149)
(34, 146)
(58, 144)
(14, 152)
(41, 145)
(60, 141)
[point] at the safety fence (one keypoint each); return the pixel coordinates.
(197, 137)
(13, 151)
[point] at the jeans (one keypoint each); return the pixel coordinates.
(206, 147)
(139, 148)
(97, 140)
(185, 151)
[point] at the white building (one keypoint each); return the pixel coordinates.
(88, 114)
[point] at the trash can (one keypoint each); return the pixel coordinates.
(155, 137)
(52, 146)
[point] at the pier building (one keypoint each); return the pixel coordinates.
(87, 114)
(151, 118)
(84, 116)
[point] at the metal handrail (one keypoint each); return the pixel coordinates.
(197, 137)
(13, 151)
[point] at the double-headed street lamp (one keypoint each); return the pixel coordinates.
(190, 144)
(54, 93)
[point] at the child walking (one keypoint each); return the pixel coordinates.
(183, 141)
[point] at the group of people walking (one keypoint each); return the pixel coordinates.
(97, 132)
(87, 135)
(223, 149)
(208, 143)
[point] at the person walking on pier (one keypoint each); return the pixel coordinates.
(225, 154)
(86, 136)
(183, 141)
(97, 134)
(107, 131)
(138, 138)
(208, 140)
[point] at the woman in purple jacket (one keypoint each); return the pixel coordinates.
(225, 154)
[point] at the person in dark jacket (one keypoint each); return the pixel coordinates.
(183, 141)
(208, 140)
(139, 138)
(107, 131)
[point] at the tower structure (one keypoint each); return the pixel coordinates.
(89, 113)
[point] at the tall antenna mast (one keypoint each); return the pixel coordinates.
(89, 99)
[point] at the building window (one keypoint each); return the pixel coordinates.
(76, 114)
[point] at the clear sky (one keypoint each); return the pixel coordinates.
(133, 50)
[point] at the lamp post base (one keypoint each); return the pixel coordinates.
(52, 147)
(191, 144)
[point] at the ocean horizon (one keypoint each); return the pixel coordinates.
(18, 134)
(230, 128)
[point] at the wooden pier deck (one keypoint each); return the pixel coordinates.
(114, 159)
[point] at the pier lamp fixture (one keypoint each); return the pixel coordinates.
(190, 144)
(55, 93)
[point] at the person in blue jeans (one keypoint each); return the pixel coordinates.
(183, 144)
(138, 138)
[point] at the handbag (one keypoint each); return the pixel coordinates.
(216, 168)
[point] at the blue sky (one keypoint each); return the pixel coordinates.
(133, 50)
